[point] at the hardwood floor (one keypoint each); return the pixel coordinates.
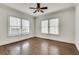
(38, 46)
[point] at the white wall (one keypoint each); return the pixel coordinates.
(77, 26)
(66, 25)
(5, 12)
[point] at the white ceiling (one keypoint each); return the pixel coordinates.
(52, 7)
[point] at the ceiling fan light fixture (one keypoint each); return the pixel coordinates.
(38, 8)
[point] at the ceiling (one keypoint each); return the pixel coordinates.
(52, 7)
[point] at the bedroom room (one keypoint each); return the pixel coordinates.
(39, 29)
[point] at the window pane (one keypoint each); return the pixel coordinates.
(25, 22)
(15, 21)
(25, 26)
(44, 30)
(44, 23)
(25, 30)
(54, 22)
(44, 26)
(53, 26)
(54, 30)
(14, 26)
(13, 31)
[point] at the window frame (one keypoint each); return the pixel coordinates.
(53, 26)
(29, 27)
(8, 26)
(41, 27)
(49, 26)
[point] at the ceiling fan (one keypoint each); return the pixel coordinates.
(38, 8)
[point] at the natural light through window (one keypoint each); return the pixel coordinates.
(54, 26)
(17, 26)
(50, 26)
(44, 26)
(25, 26)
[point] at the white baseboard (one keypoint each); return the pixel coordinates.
(9, 42)
(56, 40)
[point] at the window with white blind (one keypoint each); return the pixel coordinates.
(50, 26)
(17, 26)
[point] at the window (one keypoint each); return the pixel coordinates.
(44, 26)
(17, 26)
(54, 26)
(25, 26)
(14, 26)
(50, 26)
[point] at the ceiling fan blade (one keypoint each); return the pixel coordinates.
(44, 8)
(38, 5)
(32, 8)
(35, 11)
(42, 11)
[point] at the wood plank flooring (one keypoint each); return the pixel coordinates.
(38, 46)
